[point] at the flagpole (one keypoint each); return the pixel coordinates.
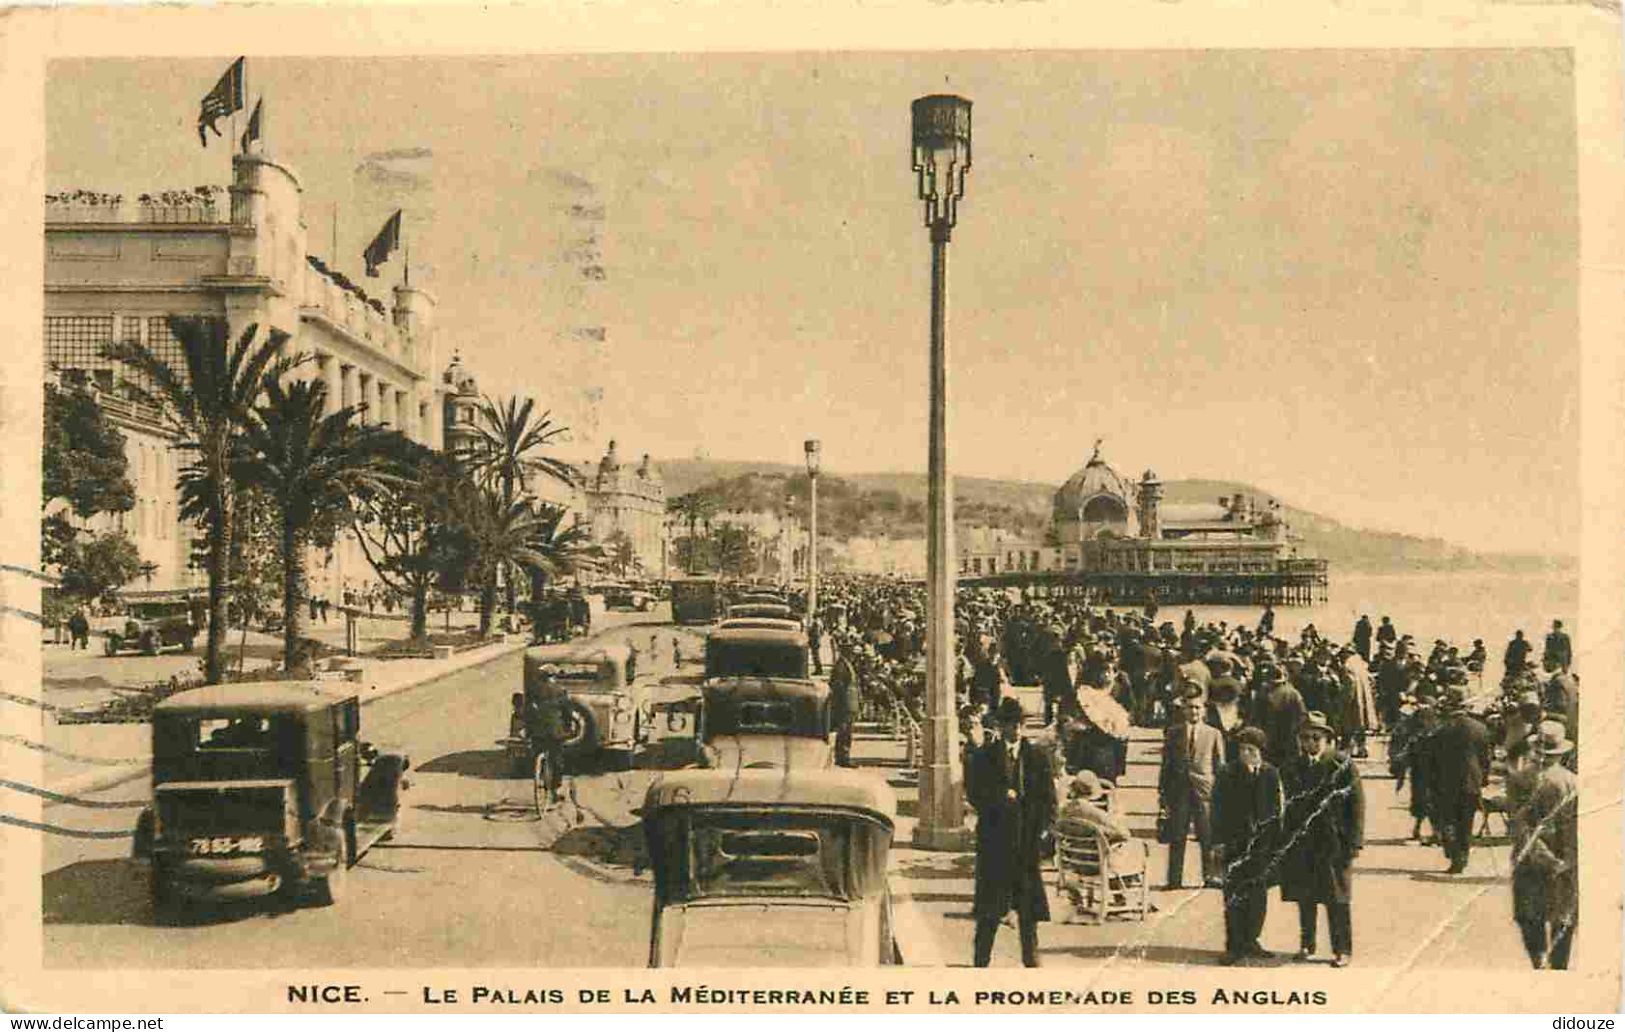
(406, 256)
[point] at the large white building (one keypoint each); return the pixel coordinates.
(116, 271)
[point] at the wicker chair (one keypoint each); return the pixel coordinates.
(1101, 881)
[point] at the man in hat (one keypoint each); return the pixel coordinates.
(1559, 649)
(845, 698)
(1246, 817)
(547, 720)
(1011, 784)
(1362, 637)
(1192, 753)
(1419, 718)
(1517, 651)
(1278, 711)
(1457, 754)
(1323, 830)
(1546, 854)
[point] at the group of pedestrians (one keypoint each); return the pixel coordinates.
(1262, 735)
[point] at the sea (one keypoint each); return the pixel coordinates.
(1457, 607)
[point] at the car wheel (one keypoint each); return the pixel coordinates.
(113, 644)
(581, 737)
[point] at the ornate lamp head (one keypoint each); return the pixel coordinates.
(941, 155)
(812, 458)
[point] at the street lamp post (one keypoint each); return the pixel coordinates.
(941, 157)
(812, 533)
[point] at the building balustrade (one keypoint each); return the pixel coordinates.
(185, 207)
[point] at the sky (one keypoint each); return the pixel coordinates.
(1346, 277)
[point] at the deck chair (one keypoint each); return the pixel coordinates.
(1102, 882)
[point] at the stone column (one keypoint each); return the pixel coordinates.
(404, 414)
(347, 386)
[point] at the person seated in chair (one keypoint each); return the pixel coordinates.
(1084, 811)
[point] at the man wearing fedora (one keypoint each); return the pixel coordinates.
(1323, 830)
(1457, 754)
(1279, 711)
(1246, 818)
(1192, 754)
(1546, 853)
(1011, 783)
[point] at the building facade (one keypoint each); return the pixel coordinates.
(628, 501)
(116, 272)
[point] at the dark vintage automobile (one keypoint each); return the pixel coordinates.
(609, 706)
(768, 610)
(262, 789)
(155, 624)
(772, 868)
(618, 595)
(760, 707)
(695, 600)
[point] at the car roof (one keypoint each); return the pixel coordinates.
(255, 697)
(766, 623)
(779, 786)
(758, 636)
(578, 653)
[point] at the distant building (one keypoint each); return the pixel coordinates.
(1118, 536)
(629, 501)
(116, 271)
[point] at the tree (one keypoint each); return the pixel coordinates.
(735, 550)
(205, 402)
(563, 548)
(621, 553)
(83, 461)
(96, 565)
(694, 508)
(310, 465)
(411, 524)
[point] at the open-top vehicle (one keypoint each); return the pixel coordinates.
(261, 789)
(767, 867)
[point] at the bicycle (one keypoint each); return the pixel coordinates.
(545, 777)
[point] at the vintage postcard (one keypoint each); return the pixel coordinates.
(668, 508)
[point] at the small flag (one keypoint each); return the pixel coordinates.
(383, 244)
(226, 98)
(252, 133)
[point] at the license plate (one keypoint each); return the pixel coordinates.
(221, 845)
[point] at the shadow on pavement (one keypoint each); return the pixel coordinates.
(487, 764)
(621, 847)
(1147, 952)
(961, 868)
(96, 892)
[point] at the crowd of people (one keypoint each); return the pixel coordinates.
(1261, 736)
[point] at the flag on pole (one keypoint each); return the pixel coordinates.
(383, 244)
(226, 98)
(252, 133)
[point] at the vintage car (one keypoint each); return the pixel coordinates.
(262, 789)
(153, 625)
(609, 709)
(619, 595)
(759, 705)
(770, 610)
(695, 600)
(767, 867)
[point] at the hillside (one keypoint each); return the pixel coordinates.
(893, 505)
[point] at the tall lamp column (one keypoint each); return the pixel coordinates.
(812, 533)
(941, 157)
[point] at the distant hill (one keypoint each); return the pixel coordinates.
(893, 505)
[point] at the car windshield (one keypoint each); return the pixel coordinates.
(756, 659)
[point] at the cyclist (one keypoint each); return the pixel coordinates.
(547, 714)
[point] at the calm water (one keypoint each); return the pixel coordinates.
(1457, 607)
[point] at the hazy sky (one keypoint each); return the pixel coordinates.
(1348, 277)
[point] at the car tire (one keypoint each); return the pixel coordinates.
(149, 643)
(112, 644)
(584, 740)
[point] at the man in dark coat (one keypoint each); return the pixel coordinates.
(1192, 754)
(1323, 830)
(1362, 637)
(1407, 760)
(1011, 783)
(1387, 633)
(1457, 754)
(844, 700)
(1559, 649)
(1246, 817)
(1546, 852)
(1517, 651)
(1278, 713)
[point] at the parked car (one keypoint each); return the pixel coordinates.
(771, 610)
(695, 600)
(760, 706)
(626, 596)
(154, 625)
(262, 789)
(771, 868)
(609, 709)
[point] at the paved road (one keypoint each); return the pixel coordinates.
(473, 878)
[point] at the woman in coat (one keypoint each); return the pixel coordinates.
(1323, 828)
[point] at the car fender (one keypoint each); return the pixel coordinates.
(146, 835)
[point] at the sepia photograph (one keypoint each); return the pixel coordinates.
(529, 512)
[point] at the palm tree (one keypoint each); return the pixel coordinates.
(564, 548)
(507, 534)
(312, 465)
(693, 508)
(206, 401)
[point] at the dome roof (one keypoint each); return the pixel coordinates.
(458, 376)
(1094, 479)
